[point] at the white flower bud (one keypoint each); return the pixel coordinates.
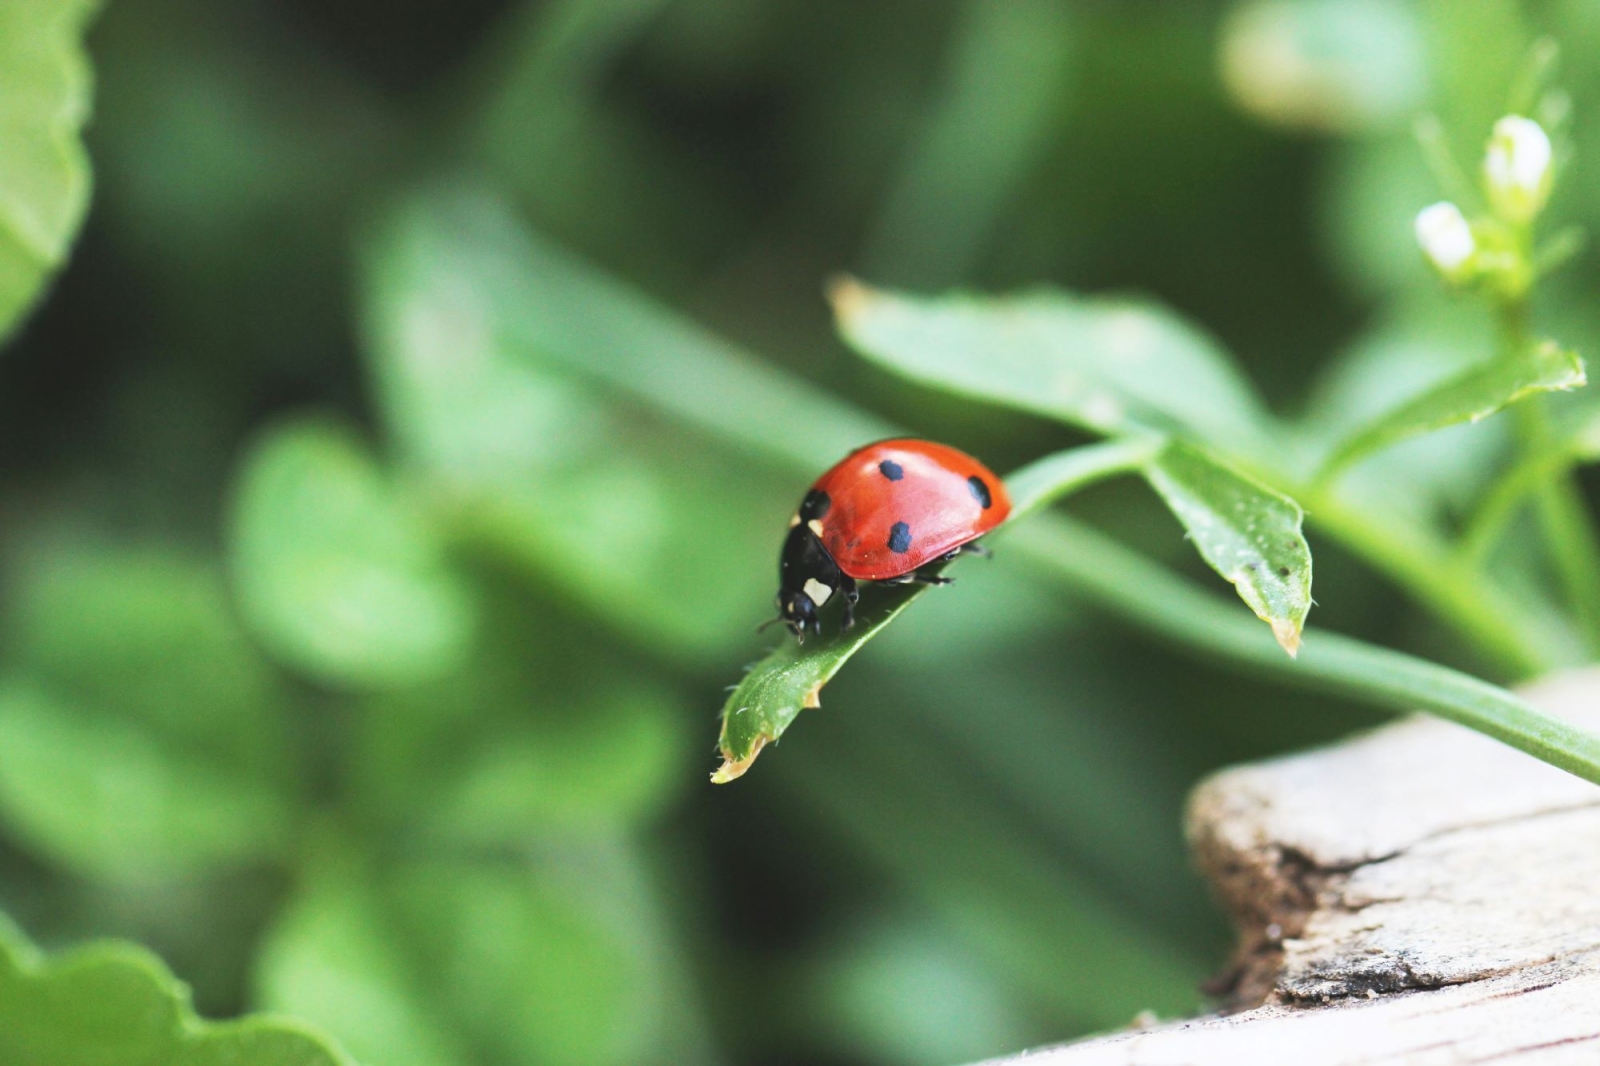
(1516, 169)
(1446, 239)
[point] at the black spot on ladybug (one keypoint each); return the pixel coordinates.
(980, 491)
(900, 538)
(891, 470)
(815, 505)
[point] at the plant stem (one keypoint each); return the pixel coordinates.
(1505, 496)
(1512, 637)
(1046, 480)
(1568, 532)
(1147, 595)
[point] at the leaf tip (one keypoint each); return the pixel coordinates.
(848, 296)
(1288, 636)
(813, 698)
(732, 769)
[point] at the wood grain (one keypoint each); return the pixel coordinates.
(1420, 894)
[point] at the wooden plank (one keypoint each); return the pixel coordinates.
(1420, 894)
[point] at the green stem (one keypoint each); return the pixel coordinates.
(1504, 498)
(1569, 535)
(1148, 596)
(1574, 548)
(1513, 638)
(1047, 480)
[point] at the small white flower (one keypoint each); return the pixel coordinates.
(1516, 168)
(1446, 239)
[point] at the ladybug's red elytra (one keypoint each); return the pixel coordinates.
(880, 514)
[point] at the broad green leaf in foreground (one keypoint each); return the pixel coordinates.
(115, 1004)
(790, 679)
(336, 574)
(1249, 533)
(1468, 397)
(1109, 365)
(45, 90)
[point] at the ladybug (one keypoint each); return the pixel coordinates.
(880, 514)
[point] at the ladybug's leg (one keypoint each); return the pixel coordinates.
(972, 547)
(917, 577)
(851, 595)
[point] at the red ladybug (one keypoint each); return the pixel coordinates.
(884, 511)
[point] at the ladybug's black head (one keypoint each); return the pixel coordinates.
(807, 579)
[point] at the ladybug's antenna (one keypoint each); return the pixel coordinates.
(797, 630)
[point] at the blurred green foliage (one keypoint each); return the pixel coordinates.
(117, 1004)
(44, 175)
(395, 476)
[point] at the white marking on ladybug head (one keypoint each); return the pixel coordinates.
(794, 519)
(815, 525)
(818, 592)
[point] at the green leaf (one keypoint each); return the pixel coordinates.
(1109, 365)
(109, 799)
(1249, 533)
(336, 574)
(44, 171)
(1468, 397)
(1405, 355)
(790, 679)
(115, 1004)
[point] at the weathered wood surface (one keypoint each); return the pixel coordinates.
(1420, 895)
